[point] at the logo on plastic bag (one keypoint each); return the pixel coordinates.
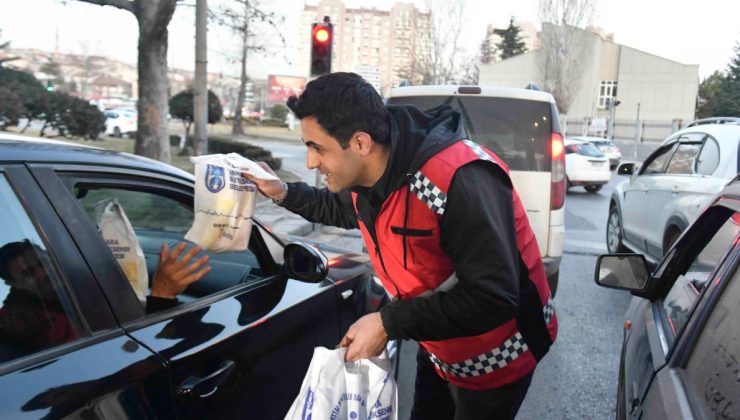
(215, 179)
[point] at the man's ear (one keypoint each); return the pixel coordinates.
(363, 143)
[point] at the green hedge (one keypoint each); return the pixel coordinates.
(226, 145)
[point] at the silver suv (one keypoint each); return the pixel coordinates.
(648, 211)
(522, 127)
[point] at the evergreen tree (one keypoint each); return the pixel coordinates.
(181, 107)
(511, 41)
(727, 101)
(708, 90)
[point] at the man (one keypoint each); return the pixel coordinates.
(448, 238)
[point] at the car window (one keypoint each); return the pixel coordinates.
(37, 312)
(517, 130)
(713, 369)
(682, 161)
(588, 149)
(708, 159)
(689, 286)
(657, 162)
(156, 219)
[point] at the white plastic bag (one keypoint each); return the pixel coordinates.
(120, 237)
(334, 390)
(224, 202)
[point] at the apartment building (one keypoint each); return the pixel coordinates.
(379, 44)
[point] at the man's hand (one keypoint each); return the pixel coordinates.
(365, 338)
(271, 188)
(172, 277)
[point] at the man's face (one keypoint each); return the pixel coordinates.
(342, 168)
(27, 273)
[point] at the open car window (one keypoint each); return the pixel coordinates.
(158, 218)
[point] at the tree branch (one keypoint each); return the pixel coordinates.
(120, 4)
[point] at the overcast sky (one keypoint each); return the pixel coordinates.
(690, 32)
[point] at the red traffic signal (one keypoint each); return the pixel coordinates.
(321, 42)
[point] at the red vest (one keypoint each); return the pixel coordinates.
(486, 361)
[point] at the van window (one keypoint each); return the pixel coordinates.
(517, 130)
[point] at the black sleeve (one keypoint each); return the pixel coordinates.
(156, 304)
(321, 205)
(478, 233)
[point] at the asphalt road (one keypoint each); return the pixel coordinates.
(578, 377)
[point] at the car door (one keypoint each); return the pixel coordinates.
(634, 206)
(666, 192)
(660, 326)
(241, 340)
(702, 377)
(62, 353)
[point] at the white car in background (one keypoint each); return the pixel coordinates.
(650, 210)
(585, 165)
(607, 147)
(120, 121)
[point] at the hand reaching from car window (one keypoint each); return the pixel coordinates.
(173, 276)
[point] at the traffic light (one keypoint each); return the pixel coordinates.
(321, 40)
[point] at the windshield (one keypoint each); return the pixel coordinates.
(588, 149)
(517, 130)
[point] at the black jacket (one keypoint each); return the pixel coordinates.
(477, 229)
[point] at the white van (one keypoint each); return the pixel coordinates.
(522, 127)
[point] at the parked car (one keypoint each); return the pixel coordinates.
(120, 121)
(648, 211)
(681, 352)
(607, 147)
(585, 165)
(522, 127)
(75, 339)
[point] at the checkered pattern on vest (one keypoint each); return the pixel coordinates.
(487, 362)
(429, 193)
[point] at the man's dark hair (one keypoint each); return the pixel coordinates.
(343, 103)
(11, 251)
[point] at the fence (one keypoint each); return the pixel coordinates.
(649, 131)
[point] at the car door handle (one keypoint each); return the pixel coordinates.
(346, 294)
(205, 386)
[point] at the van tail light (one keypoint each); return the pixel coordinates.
(557, 187)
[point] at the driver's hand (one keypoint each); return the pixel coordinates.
(172, 277)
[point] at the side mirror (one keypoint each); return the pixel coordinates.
(304, 262)
(627, 169)
(622, 271)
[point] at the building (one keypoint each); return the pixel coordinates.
(658, 91)
(380, 44)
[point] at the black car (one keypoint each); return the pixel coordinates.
(78, 343)
(681, 352)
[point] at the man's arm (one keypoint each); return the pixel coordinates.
(321, 205)
(478, 233)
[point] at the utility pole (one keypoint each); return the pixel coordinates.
(638, 129)
(200, 90)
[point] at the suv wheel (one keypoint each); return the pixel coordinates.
(614, 232)
(592, 188)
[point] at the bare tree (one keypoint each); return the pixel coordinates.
(5, 46)
(153, 17)
(250, 22)
(436, 58)
(565, 49)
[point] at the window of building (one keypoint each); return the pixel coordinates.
(607, 90)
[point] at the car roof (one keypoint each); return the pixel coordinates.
(24, 149)
(491, 91)
(723, 133)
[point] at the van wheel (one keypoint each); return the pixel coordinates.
(117, 132)
(552, 280)
(592, 188)
(614, 236)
